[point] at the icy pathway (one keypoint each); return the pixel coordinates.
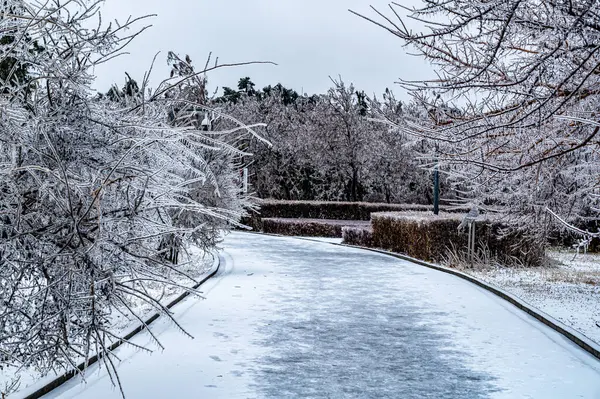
(298, 319)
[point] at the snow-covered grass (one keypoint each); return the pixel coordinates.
(195, 263)
(567, 289)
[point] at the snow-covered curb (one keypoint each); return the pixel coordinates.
(41, 391)
(575, 336)
(567, 287)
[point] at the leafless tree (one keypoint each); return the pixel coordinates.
(515, 99)
(328, 147)
(92, 186)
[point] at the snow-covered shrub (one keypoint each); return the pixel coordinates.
(96, 192)
(429, 237)
(330, 209)
(558, 236)
(360, 236)
(306, 227)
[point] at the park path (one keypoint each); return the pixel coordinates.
(288, 318)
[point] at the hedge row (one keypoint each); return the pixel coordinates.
(568, 239)
(307, 227)
(360, 236)
(328, 210)
(428, 237)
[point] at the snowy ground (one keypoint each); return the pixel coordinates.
(195, 263)
(569, 290)
(294, 318)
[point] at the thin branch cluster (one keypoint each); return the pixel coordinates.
(514, 107)
(98, 194)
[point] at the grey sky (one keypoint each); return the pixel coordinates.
(310, 40)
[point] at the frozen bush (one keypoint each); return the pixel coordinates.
(97, 193)
(360, 236)
(429, 237)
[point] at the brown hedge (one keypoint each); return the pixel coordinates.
(307, 227)
(428, 237)
(360, 236)
(326, 210)
(329, 209)
(557, 237)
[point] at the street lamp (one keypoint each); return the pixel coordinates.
(436, 184)
(206, 125)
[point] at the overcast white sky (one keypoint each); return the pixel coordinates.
(310, 40)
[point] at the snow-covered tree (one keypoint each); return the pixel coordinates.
(342, 129)
(515, 100)
(92, 187)
(327, 147)
(394, 166)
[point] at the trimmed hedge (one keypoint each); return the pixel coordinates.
(360, 236)
(307, 227)
(429, 237)
(557, 237)
(327, 210)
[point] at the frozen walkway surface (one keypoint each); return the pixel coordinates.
(287, 318)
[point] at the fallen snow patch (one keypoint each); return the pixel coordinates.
(195, 263)
(568, 290)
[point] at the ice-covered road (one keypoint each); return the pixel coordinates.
(287, 318)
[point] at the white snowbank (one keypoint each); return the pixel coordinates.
(568, 291)
(195, 263)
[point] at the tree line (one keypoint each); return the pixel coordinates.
(329, 146)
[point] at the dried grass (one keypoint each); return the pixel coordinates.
(432, 238)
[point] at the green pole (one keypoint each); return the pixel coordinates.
(436, 190)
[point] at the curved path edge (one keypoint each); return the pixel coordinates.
(576, 337)
(40, 392)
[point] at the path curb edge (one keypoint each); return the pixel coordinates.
(574, 336)
(40, 392)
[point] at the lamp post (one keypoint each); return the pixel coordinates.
(436, 184)
(436, 191)
(206, 125)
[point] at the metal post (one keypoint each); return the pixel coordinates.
(472, 242)
(245, 181)
(470, 260)
(436, 190)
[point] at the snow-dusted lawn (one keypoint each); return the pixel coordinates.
(569, 290)
(293, 318)
(195, 264)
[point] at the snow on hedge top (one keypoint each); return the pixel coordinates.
(428, 216)
(418, 216)
(319, 221)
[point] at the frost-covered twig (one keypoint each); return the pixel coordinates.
(513, 103)
(98, 195)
